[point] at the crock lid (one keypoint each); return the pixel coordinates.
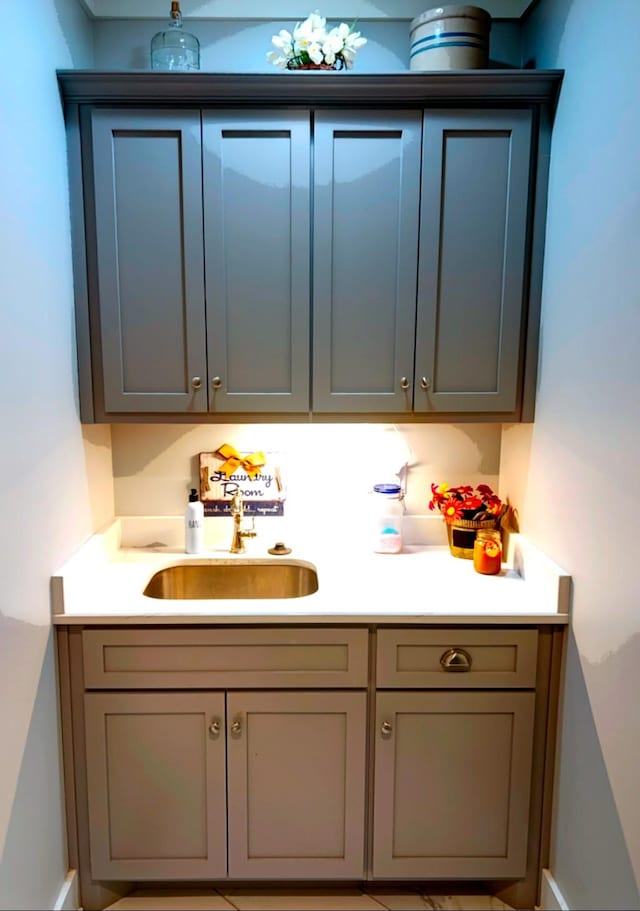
(457, 11)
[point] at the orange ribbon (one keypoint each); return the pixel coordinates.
(251, 463)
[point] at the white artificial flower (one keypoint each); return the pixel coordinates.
(277, 60)
(311, 38)
(316, 22)
(311, 31)
(283, 41)
(314, 51)
(353, 41)
(331, 47)
(340, 32)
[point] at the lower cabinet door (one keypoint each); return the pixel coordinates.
(156, 785)
(296, 763)
(452, 782)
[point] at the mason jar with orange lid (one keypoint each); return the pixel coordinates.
(487, 552)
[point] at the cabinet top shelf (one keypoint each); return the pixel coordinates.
(466, 86)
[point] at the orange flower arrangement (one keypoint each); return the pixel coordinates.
(465, 502)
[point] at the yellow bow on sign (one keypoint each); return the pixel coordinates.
(251, 463)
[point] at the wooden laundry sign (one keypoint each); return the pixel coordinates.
(256, 475)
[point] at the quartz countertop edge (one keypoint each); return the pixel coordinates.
(103, 584)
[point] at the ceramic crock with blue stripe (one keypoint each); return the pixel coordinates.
(450, 38)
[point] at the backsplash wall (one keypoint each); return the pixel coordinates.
(327, 469)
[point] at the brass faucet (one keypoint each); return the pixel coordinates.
(239, 534)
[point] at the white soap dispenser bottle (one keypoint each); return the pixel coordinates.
(194, 524)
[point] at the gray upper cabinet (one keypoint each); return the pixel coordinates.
(473, 233)
(253, 244)
(149, 273)
(367, 178)
(178, 209)
(256, 222)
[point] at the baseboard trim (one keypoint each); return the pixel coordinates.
(69, 895)
(551, 898)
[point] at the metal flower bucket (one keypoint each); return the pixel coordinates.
(461, 534)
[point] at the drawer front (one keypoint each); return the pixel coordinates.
(196, 658)
(456, 658)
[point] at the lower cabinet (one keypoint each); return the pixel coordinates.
(452, 782)
(156, 781)
(296, 767)
(287, 753)
(169, 773)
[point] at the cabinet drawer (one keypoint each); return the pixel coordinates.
(206, 658)
(457, 658)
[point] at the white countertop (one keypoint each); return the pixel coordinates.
(103, 583)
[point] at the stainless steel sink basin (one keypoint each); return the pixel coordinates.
(234, 579)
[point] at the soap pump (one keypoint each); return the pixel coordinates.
(194, 524)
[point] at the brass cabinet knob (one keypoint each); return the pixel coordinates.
(196, 382)
(214, 727)
(236, 727)
(425, 382)
(404, 382)
(456, 659)
(385, 728)
(216, 382)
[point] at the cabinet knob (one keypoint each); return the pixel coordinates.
(425, 382)
(385, 728)
(216, 382)
(214, 727)
(236, 727)
(196, 382)
(456, 659)
(404, 382)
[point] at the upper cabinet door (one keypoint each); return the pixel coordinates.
(257, 240)
(367, 187)
(473, 240)
(149, 269)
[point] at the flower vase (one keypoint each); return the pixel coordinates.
(461, 533)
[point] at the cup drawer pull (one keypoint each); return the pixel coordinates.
(456, 659)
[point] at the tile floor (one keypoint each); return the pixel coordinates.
(301, 900)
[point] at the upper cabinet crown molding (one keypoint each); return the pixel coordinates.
(457, 86)
(283, 9)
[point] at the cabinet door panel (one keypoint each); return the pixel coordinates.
(367, 176)
(149, 263)
(473, 232)
(452, 783)
(257, 202)
(296, 785)
(156, 785)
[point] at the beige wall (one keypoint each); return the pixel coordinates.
(328, 469)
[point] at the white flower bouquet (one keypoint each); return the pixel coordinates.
(311, 45)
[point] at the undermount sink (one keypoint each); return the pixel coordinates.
(234, 579)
